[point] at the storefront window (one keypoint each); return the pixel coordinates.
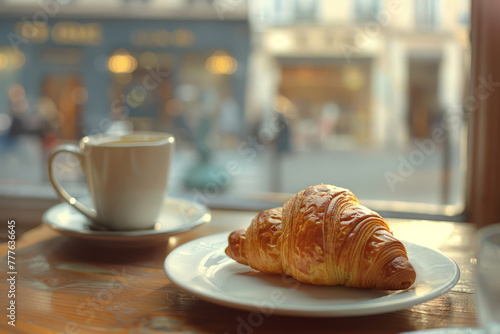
(426, 14)
(366, 9)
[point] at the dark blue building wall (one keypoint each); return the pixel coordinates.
(232, 36)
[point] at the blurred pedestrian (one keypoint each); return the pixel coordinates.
(48, 122)
(17, 110)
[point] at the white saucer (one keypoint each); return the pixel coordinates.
(177, 215)
(202, 268)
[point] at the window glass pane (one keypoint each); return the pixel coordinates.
(264, 98)
(306, 10)
(426, 13)
(365, 10)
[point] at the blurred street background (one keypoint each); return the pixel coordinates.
(264, 97)
(360, 171)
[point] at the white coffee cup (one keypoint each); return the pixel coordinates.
(127, 176)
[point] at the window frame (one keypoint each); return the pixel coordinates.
(483, 180)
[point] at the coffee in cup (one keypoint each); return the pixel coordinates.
(127, 177)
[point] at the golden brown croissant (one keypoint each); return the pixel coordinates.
(323, 236)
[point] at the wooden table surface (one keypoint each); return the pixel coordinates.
(64, 285)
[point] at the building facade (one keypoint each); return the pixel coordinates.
(365, 72)
(159, 71)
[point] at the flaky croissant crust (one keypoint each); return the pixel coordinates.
(323, 236)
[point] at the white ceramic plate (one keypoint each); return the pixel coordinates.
(177, 215)
(202, 268)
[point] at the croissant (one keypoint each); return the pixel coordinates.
(323, 236)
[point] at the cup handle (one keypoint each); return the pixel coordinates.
(63, 194)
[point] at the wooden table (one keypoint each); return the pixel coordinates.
(66, 286)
